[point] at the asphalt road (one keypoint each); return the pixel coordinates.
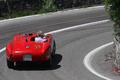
(72, 45)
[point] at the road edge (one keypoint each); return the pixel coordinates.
(89, 56)
(30, 16)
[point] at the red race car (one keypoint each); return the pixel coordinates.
(24, 48)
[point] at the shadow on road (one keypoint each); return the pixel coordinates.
(32, 66)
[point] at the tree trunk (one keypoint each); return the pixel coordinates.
(8, 5)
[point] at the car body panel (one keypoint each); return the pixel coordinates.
(23, 45)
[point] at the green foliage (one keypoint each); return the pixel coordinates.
(41, 6)
(45, 7)
(48, 5)
(113, 9)
(84, 6)
(19, 14)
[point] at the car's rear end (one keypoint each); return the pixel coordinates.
(30, 51)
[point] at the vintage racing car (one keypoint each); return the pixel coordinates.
(24, 48)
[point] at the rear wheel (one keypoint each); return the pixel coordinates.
(10, 64)
(54, 49)
(48, 63)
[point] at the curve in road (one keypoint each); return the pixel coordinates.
(72, 45)
(73, 27)
(89, 56)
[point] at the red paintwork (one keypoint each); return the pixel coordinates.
(17, 48)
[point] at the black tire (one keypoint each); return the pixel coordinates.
(48, 63)
(10, 64)
(54, 49)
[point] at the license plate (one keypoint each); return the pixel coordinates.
(27, 57)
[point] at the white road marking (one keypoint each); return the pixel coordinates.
(3, 49)
(89, 56)
(69, 28)
(79, 26)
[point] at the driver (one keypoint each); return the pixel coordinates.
(40, 36)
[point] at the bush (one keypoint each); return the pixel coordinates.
(43, 7)
(48, 5)
(20, 8)
(113, 9)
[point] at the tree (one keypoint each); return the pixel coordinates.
(113, 9)
(8, 5)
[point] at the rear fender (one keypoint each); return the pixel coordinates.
(50, 40)
(9, 49)
(46, 49)
(49, 37)
(15, 37)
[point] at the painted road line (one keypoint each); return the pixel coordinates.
(90, 55)
(3, 49)
(79, 26)
(69, 28)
